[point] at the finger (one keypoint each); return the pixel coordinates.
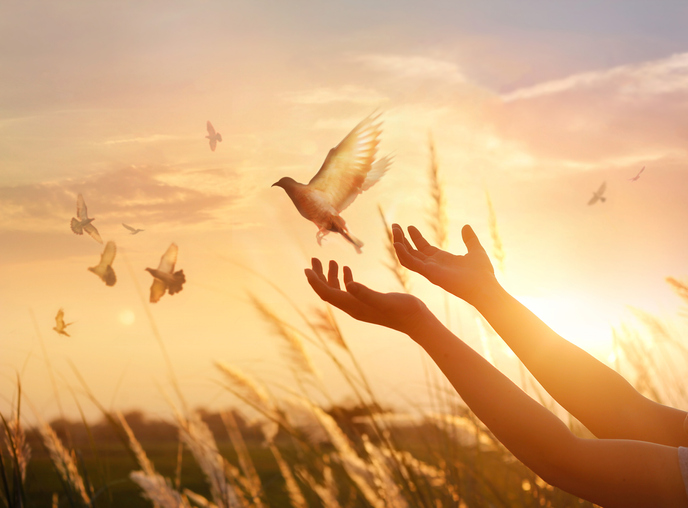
(333, 275)
(400, 237)
(421, 243)
(408, 259)
(318, 269)
(316, 283)
(471, 239)
(348, 276)
(366, 295)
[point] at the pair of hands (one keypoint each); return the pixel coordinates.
(462, 276)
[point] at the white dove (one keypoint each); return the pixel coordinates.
(598, 195)
(60, 325)
(635, 178)
(104, 268)
(83, 223)
(347, 171)
(163, 277)
(133, 231)
(213, 136)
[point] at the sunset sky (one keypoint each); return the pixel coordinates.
(536, 103)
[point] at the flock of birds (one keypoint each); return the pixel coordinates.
(349, 169)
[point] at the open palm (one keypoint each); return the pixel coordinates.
(399, 311)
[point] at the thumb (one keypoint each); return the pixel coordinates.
(470, 239)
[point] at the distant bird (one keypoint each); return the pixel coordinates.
(637, 176)
(347, 171)
(83, 223)
(163, 277)
(104, 268)
(213, 136)
(60, 325)
(597, 195)
(133, 231)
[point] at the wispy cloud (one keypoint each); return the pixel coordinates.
(141, 193)
(142, 139)
(667, 75)
(326, 95)
(420, 67)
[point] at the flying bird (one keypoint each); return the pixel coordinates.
(213, 136)
(598, 195)
(349, 169)
(83, 223)
(133, 231)
(60, 325)
(164, 277)
(635, 178)
(104, 268)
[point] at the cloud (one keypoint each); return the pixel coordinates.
(667, 75)
(142, 139)
(141, 194)
(419, 67)
(326, 95)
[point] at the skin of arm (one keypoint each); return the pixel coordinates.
(598, 396)
(610, 472)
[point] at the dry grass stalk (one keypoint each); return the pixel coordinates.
(384, 478)
(325, 322)
(64, 462)
(293, 490)
(16, 445)
(136, 448)
(438, 216)
(200, 441)
(400, 272)
(199, 500)
(159, 490)
(357, 469)
(253, 482)
(327, 492)
(295, 349)
(497, 246)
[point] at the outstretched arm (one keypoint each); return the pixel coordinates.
(595, 394)
(607, 472)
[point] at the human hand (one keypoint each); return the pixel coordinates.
(399, 311)
(464, 276)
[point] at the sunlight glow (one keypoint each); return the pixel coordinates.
(127, 317)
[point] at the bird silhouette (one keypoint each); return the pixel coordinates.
(598, 195)
(164, 277)
(213, 136)
(133, 231)
(60, 325)
(635, 178)
(349, 169)
(83, 223)
(104, 268)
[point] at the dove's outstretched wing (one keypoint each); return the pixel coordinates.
(211, 129)
(343, 175)
(91, 230)
(598, 195)
(60, 325)
(133, 230)
(104, 269)
(167, 262)
(81, 211)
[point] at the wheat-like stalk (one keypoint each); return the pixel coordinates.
(388, 486)
(293, 490)
(497, 245)
(64, 462)
(327, 492)
(253, 483)
(199, 499)
(400, 272)
(158, 490)
(326, 323)
(296, 352)
(135, 447)
(438, 215)
(198, 438)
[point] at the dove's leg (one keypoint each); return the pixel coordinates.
(320, 235)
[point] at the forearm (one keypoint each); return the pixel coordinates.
(531, 432)
(594, 393)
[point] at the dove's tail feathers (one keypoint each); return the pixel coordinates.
(77, 227)
(339, 226)
(178, 279)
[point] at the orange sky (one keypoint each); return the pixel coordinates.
(111, 102)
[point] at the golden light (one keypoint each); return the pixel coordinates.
(127, 317)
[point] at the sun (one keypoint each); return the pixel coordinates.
(127, 317)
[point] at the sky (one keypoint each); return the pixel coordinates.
(534, 105)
